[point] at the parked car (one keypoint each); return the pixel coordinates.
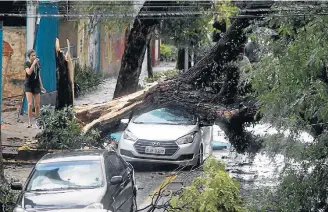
(166, 135)
(81, 179)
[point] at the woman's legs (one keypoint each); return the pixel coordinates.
(37, 104)
(29, 97)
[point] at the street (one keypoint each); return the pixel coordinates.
(251, 171)
(150, 178)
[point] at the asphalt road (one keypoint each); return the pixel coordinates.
(253, 172)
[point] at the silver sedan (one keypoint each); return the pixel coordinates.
(166, 135)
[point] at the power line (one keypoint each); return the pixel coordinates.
(149, 16)
(157, 13)
(202, 12)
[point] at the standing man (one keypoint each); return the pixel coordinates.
(33, 85)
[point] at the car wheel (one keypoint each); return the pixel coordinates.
(200, 157)
(134, 204)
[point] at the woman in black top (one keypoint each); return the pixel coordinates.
(33, 84)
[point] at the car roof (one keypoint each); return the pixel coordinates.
(75, 155)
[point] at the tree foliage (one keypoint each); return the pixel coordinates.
(215, 191)
(291, 85)
(7, 197)
(195, 30)
(114, 16)
(86, 78)
(62, 131)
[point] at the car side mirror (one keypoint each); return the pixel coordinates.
(17, 186)
(125, 121)
(116, 180)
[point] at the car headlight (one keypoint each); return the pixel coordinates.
(186, 139)
(129, 136)
(95, 206)
(19, 209)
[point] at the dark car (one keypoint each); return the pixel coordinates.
(88, 179)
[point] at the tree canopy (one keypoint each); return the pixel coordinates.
(290, 82)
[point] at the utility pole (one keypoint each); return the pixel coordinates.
(30, 23)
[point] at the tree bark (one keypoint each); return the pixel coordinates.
(133, 56)
(64, 82)
(170, 92)
(65, 76)
(180, 59)
(149, 60)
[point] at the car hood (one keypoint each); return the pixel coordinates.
(160, 132)
(62, 199)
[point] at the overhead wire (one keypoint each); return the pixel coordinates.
(148, 14)
(152, 15)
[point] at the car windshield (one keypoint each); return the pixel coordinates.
(66, 175)
(166, 116)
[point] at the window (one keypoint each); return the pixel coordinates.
(170, 116)
(67, 175)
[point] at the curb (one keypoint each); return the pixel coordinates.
(17, 162)
(28, 154)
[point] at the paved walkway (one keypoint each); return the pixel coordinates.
(106, 90)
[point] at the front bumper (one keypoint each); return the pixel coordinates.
(184, 155)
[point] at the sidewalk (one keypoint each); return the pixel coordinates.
(106, 90)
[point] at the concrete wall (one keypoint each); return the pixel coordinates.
(111, 52)
(111, 48)
(13, 58)
(112, 45)
(82, 39)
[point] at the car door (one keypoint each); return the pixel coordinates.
(124, 191)
(112, 190)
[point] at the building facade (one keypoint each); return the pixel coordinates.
(100, 49)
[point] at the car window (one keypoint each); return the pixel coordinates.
(114, 165)
(171, 116)
(66, 175)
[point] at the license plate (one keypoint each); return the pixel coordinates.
(155, 150)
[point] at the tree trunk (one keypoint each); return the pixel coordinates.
(103, 116)
(133, 56)
(182, 63)
(180, 59)
(186, 59)
(149, 60)
(64, 82)
(223, 105)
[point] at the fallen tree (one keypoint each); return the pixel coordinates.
(219, 104)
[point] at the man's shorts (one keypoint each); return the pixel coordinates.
(32, 89)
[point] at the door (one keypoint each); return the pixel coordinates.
(123, 192)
